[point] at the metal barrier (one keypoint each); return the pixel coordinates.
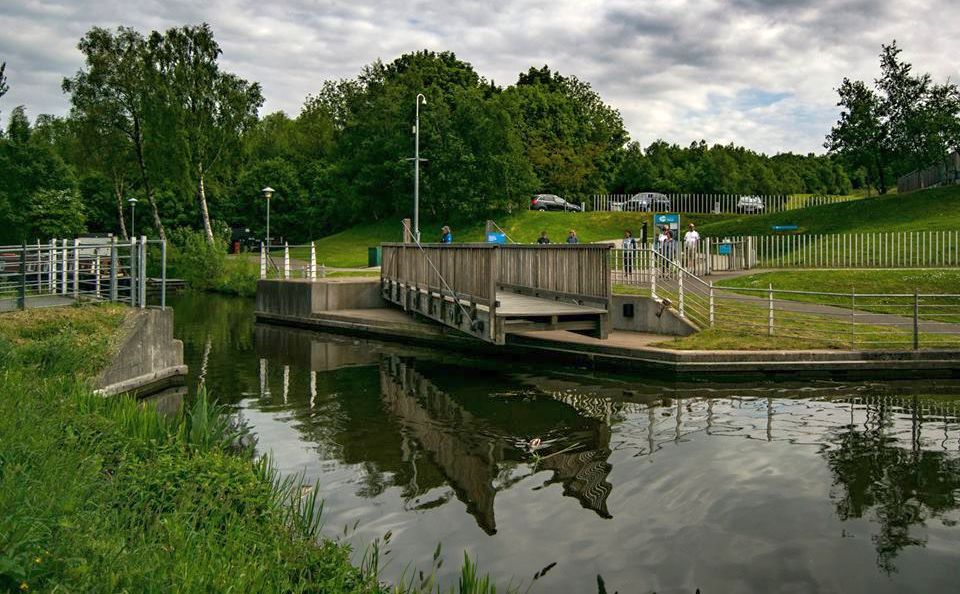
(303, 264)
(901, 249)
(821, 319)
(65, 271)
(709, 203)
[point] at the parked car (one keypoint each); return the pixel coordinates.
(750, 204)
(552, 202)
(643, 202)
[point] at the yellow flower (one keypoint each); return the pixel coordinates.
(37, 560)
(24, 586)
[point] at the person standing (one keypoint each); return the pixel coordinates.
(446, 235)
(664, 245)
(543, 239)
(691, 246)
(572, 237)
(629, 246)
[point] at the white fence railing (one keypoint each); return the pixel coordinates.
(708, 203)
(901, 249)
(818, 319)
(64, 271)
(277, 263)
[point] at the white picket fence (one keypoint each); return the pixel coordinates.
(902, 249)
(712, 203)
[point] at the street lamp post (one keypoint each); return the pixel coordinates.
(133, 217)
(416, 170)
(267, 193)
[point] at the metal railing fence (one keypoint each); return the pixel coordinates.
(899, 249)
(277, 262)
(65, 271)
(819, 319)
(710, 203)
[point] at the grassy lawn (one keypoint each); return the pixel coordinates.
(931, 281)
(937, 209)
(348, 248)
(106, 495)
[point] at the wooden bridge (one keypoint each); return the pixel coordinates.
(490, 290)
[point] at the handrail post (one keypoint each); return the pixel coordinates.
(163, 274)
(65, 261)
(916, 320)
(76, 268)
(113, 268)
(143, 271)
(313, 261)
(680, 291)
(286, 260)
(653, 274)
(263, 262)
(22, 291)
(134, 273)
(770, 317)
(711, 304)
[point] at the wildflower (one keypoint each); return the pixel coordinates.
(37, 560)
(24, 587)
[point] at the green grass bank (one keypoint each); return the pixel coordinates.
(107, 495)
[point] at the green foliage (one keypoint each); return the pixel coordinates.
(194, 259)
(907, 123)
(56, 213)
(729, 169)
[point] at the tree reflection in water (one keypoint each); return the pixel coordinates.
(900, 481)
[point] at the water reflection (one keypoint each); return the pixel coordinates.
(657, 486)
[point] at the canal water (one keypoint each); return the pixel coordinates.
(557, 477)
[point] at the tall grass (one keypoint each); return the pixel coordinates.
(109, 495)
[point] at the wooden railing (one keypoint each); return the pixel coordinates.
(474, 271)
(467, 269)
(581, 270)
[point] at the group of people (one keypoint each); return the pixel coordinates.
(571, 238)
(664, 244)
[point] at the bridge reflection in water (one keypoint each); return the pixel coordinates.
(424, 422)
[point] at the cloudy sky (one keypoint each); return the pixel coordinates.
(754, 72)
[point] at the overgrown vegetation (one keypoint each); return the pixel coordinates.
(206, 267)
(107, 495)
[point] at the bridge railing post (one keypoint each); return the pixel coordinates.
(263, 261)
(114, 263)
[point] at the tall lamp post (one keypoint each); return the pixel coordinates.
(268, 193)
(133, 217)
(416, 170)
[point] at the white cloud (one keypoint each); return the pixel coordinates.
(677, 70)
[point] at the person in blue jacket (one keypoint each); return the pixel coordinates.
(446, 236)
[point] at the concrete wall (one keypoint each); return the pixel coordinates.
(147, 358)
(648, 317)
(304, 297)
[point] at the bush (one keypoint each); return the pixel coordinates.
(196, 260)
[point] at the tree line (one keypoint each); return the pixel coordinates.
(155, 117)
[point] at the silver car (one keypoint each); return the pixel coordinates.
(643, 202)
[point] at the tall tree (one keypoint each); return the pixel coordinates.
(211, 109)
(118, 91)
(862, 135)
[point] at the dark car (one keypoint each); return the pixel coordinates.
(644, 202)
(552, 202)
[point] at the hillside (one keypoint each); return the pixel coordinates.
(349, 247)
(929, 210)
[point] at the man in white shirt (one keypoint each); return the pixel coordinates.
(691, 245)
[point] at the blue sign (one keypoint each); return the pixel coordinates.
(724, 249)
(495, 237)
(669, 219)
(784, 227)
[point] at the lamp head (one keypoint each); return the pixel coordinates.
(132, 200)
(268, 192)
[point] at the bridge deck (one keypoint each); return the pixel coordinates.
(516, 305)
